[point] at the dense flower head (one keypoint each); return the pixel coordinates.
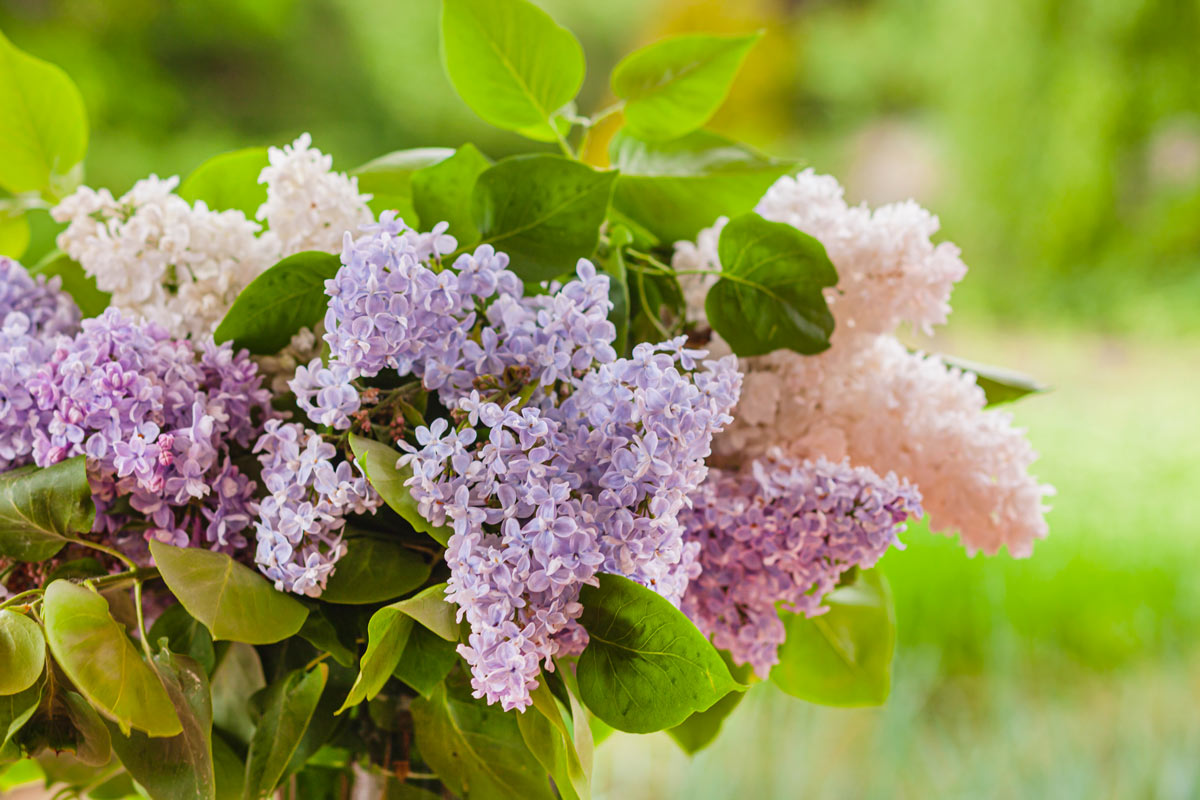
(868, 398)
(49, 310)
(780, 533)
(159, 420)
(310, 492)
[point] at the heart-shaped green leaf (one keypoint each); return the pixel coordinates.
(378, 462)
(646, 666)
(389, 180)
(14, 233)
(22, 652)
(442, 192)
(41, 509)
(374, 569)
(92, 648)
(700, 729)
(233, 601)
(229, 181)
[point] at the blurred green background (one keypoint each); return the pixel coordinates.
(1059, 141)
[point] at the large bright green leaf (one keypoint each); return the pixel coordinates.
(14, 233)
(374, 569)
(769, 296)
(549, 739)
(185, 635)
(233, 601)
(842, 657)
(43, 130)
(511, 63)
(92, 648)
(646, 666)
(287, 297)
(75, 282)
(179, 767)
(673, 86)
(378, 462)
(229, 181)
(675, 189)
(389, 181)
(545, 211)
(442, 192)
(41, 509)
(22, 652)
(287, 709)
(476, 749)
(1000, 385)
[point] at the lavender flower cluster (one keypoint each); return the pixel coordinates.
(783, 532)
(564, 460)
(157, 420)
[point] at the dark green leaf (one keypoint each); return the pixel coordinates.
(545, 211)
(673, 86)
(320, 632)
(618, 285)
(96, 655)
(228, 770)
(184, 635)
(769, 296)
(287, 297)
(325, 723)
(41, 509)
(22, 652)
(75, 282)
(373, 570)
(548, 738)
(233, 601)
(179, 767)
(843, 657)
(675, 189)
(118, 787)
(700, 729)
(238, 676)
(16, 709)
(646, 666)
(43, 130)
(92, 741)
(288, 707)
(378, 462)
(442, 192)
(229, 181)
(476, 749)
(389, 180)
(999, 385)
(426, 661)
(511, 63)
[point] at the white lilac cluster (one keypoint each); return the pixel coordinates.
(781, 533)
(180, 264)
(867, 397)
(564, 460)
(300, 521)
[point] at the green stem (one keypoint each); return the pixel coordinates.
(12, 601)
(117, 578)
(117, 554)
(141, 621)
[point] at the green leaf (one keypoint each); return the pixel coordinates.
(769, 296)
(92, 743)
(319, 631)
(179, 767)
(658, 309)
(16, 709)
(185, 635)
(545, 211)
(287, 297)
(43, 130)
(476, 749)
(646, 666)
(14, 233)
(511, 63)
(431, 608)
(843, 657)
(378, 462)
(237, 677)
(229, 181)
(233, 601)
(442, 192)
(389, 180)
(700, 729)
(548, 738)
(75, 282)
(288, 707)
(675, 189)
(618, 285)
(22, 652)
(1000, 385)
(228, 770)
(673, 86)
(41, 509)
(426, 661)
(94, 652)
(373, 570)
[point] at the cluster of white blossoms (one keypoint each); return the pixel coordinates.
(868, 398)
(181, 265)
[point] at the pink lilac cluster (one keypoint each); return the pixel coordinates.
(300, 522)
(554, 492)
(160, 421)
(34, 313)
(780, 534)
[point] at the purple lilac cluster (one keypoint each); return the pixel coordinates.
(782, 533)
(34, 313)
(300, 522)
(159, 421)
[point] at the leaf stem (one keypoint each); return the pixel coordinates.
(141, 621)
(117, 554)
(12, 601)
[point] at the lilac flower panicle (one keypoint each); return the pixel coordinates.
(783, 532)
(49, 310)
